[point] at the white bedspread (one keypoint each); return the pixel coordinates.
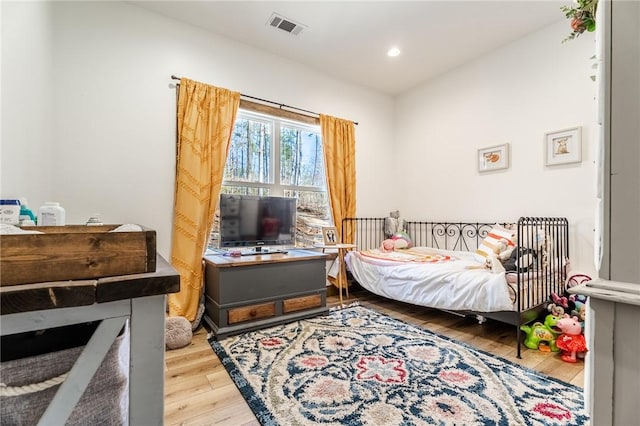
(445, 284)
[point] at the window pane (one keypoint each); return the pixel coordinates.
(243, 190)
(301, 160)
(249, 158)
(312, 214)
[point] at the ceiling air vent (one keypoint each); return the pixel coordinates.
(285, 24)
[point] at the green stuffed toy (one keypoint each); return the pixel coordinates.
(542, 336)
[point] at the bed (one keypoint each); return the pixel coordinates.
(447, 266)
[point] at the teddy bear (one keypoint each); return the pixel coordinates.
(394, 224)
(502, 249)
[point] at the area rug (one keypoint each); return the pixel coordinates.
(356, 366)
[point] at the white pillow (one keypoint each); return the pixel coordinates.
(489, 246)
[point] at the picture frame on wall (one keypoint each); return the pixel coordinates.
(563, 147)
(493, 158)
(329, 235)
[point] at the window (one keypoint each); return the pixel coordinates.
(274, 156)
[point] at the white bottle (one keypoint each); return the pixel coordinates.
(51, 214)
(94, 220)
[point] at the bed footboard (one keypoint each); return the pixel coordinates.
(542, 251)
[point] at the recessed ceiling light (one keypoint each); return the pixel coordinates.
(394, 51)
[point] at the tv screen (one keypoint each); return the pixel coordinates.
(252, 220)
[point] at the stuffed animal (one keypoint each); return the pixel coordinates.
(571, 341)
(576, 302)
(402, 240)
(388, 245)
(578, 299)
(520, 260)
(580, 311)
(398, 241)
(566, 302)
(572, 304)
(393, 224)
(494, 265)
(556, 310)
(562, 301)
(502, 249)
(542, 336)
(501, 252)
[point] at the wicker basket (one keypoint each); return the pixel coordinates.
(104, 402)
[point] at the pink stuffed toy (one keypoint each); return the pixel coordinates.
(388, 246)
(571, 341)
(399, 240)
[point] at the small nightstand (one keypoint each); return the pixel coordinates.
(342, 272)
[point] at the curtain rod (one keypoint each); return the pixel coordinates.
(173, 77)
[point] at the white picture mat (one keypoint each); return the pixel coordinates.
(563, 146)
(493, 158)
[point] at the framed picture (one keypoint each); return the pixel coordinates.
(563, 146)
(493, 158)
(330, 236)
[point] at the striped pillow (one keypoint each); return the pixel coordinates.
(497, 233)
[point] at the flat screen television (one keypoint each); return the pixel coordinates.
(252, 220)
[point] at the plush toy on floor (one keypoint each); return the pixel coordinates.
(571, 341)
(177, 332)
(556, 310)
(542, 336)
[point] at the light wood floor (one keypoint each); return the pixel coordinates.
(198, 390)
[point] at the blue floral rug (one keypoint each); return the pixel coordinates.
(358, 367)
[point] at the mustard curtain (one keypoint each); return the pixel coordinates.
(339, 147)
(206, 115)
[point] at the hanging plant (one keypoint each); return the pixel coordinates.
(582, 15)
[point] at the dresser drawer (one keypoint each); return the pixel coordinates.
(301, 303)
(251, 312)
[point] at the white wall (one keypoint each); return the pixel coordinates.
(26, 168)
(513, 95)
(88, 119)
(105, 68)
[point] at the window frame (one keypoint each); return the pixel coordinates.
(279, 116)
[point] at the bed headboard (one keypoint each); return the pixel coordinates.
(463, 236)
(449, 235)
(369, 233)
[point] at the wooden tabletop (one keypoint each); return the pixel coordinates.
(64, 294)
(225, 261)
